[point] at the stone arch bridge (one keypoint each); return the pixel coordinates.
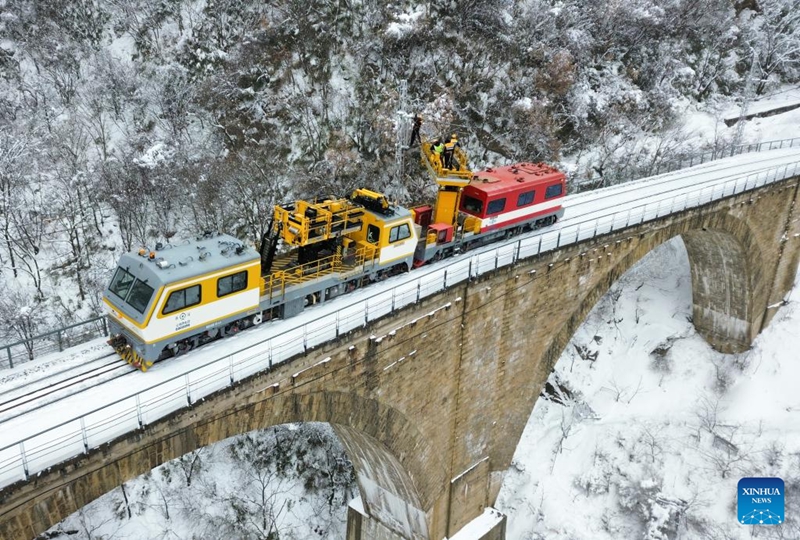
(430, 401)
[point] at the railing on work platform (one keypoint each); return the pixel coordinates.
(24, 457)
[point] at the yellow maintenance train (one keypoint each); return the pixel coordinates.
(166, 301)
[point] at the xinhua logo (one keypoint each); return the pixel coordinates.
(760, 501)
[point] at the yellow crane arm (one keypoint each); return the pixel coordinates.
(450, 181)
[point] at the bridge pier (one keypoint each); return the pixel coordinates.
(742, 264)
(721, 290)
(491, 525)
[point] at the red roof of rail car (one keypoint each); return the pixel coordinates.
(510, 178)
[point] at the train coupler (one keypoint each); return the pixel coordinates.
(127, 353)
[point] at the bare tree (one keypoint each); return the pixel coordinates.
(777, 40)
(13, 151)
(189, 464)
(22, 315)
(256, 509)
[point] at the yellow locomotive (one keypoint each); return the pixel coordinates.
(172, 299)
(167, 301)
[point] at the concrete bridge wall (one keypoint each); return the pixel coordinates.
(431, 400)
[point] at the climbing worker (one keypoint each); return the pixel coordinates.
(415, 131)
(438, 148)
(449, 149)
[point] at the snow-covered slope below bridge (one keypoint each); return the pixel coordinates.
(651, 429)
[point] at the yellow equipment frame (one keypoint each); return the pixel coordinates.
(308, 223)
(275, 284)
(436, 168)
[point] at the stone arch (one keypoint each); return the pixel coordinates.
(390, 456)
(386, 449)
(731, 273)
(727, 281)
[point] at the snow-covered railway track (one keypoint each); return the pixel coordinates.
(92, 416)
(670, 183)
(54, 373)
(662, 195)
(23, 403)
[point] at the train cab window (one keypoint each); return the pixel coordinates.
(525, 198)
(140, 295)
(373, 234)
(182, 299)
(553, 191)
(121, 283)
(496, 206)
(134, 291)
(401, 232)
(232, 283)
(472, 205)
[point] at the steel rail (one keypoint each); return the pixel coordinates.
(34, 454)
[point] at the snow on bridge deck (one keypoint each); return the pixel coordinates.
(46, 435)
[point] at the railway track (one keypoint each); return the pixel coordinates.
(17, 405)
(671, 183)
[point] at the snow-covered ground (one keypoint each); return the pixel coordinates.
(652, 429)
(290, 482)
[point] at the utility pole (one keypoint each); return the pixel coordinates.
(401, 130)
(748, 96)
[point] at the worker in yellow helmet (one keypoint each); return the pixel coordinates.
(449, 149)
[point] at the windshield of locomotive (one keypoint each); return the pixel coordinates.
(131, 290)
(472, 205)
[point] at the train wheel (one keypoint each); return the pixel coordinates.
(183, 347)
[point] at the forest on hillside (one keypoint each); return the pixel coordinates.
(126, 122)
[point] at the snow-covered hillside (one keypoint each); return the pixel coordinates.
(290, 482)
(128, 123)
(644, 430)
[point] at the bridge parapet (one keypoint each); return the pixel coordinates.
(430, 382)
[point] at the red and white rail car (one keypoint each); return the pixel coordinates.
(519, 194)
